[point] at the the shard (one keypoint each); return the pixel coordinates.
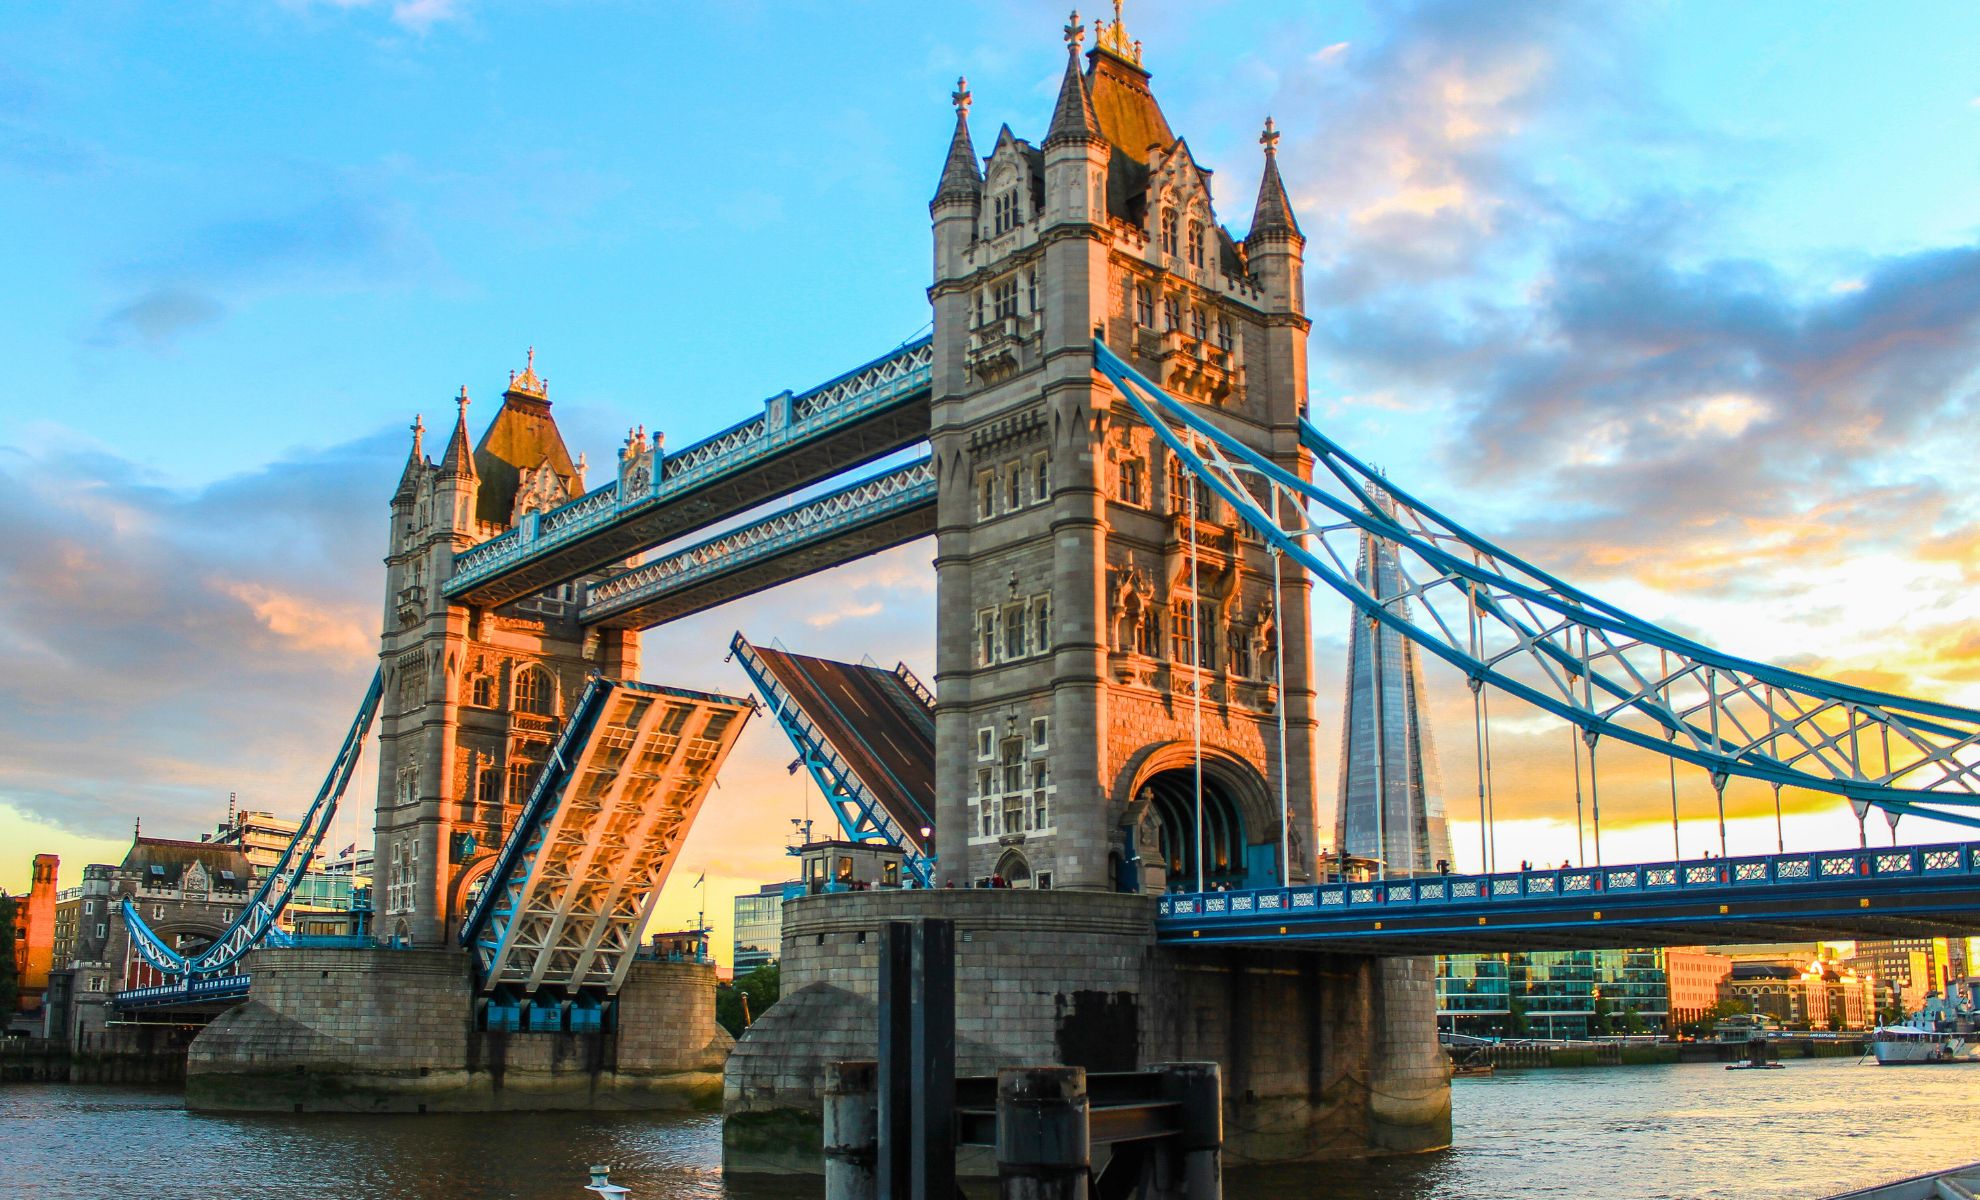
(1394, 814)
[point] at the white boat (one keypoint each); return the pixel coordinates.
(1943, 1031)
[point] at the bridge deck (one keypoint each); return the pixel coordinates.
(1906, 891)
(884, 731)
(872, 515)
(797, 441)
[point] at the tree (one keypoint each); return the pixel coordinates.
(1516, 1016)
(1604, 1019)
(739, 1004)
(10, 984)
(1632, 1021)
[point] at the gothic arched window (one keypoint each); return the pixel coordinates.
(532, 691)
(1169, 233)
(1144, 305)
(1196, 243)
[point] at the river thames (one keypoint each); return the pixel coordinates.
(1626, 1133)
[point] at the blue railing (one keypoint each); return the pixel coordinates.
(192, 988)
(1361, 899)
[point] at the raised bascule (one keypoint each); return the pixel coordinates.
(1129, 513)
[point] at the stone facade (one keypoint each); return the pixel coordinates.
(1323, 1055)
(394, 1031)
(1093, 610)
(473, 699)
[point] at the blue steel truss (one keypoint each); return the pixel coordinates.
(1810, 889)
(1505, 622)
(193, 989)
(486, 922)
(258, 920)
(787, 421)
(828, 518)
(859, 811)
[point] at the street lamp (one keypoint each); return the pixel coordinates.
(601, 1182)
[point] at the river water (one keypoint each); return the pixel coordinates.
(1620, 1133)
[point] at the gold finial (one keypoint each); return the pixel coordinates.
(1115, 40)
(960, 97)
(529, 383)
(1270, 138)
(1075, 33)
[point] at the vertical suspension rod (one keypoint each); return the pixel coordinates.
(1285, 767)
(1196, 654)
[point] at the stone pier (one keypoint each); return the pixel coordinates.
(394, 1031)
(1323, 1055)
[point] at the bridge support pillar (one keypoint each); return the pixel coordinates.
(374, 1030)
(1320, 1055)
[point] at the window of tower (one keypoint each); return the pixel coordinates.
(1013, 487)
(1148, 634)
(1015, 629)
(1196, 243)
(1144, 305)
(1003, 298)
(1041, 473)
(1041, 624)
(1240, 654)
(1199, 325)
(1224, 340)
(986, 644)
(1171, 313)
(986, 496)
(1004, 212)
(484, 792)
(481, 692)
(1169, 236)
(522, 773)
(533, 691)
(1132, 488)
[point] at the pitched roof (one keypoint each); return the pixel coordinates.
(523, 434)
(164, 861)
(415, 463)
(961, 179)
(1125, 108)
(454, 460)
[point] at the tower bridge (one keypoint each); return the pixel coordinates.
(1129, 513)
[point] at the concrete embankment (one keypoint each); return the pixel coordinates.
(1528, 1056)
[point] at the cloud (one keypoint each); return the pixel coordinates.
(158, 317)
(418, 16)
(165, 646)
(348, 234)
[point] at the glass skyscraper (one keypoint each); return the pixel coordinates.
(1552, 993)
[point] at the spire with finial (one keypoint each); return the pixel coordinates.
(415, 462)
(457, 461)
(1273, 214)
(962, 178)
(1073, 117)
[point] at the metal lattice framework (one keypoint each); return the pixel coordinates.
(905, 491)
(859, 811)
(1504, 622)
(580, 874)
(788, 421)
(257, 920)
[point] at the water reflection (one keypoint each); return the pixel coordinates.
(1642, 1133)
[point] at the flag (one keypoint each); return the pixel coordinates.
(793, 768)
(699, 878)
(347, 851)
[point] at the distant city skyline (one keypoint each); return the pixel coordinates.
(1681, 301)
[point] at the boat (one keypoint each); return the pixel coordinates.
(1954, 1184)
(1756, 1066)
(1471, 1070)
(1944, 1031)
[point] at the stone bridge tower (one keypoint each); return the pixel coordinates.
(473, 698)
(1076, 658)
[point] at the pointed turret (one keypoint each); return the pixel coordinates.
(1073, 117)
(961, 178)
(457, 462)
(1273, 215)
(415, 465)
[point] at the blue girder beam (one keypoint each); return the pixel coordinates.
(863, 518)
(1902, 891)
(797, 441)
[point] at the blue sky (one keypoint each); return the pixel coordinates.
(1680, 298)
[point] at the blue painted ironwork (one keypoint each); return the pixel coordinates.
(485, 925)
(1563, 896)
(191, 989)
(1503, 621)
(787, 422)
(860, 813)
(259, 918)
(815, 522)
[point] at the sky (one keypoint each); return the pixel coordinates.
(1680, 300)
